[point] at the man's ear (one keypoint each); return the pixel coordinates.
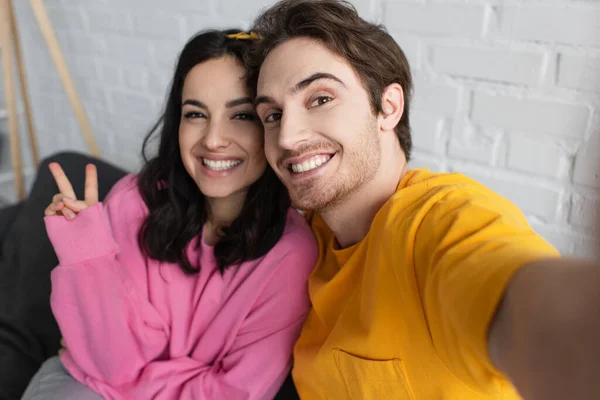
(392, 104)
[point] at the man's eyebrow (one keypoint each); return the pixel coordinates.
(195, 103)
(303, 84)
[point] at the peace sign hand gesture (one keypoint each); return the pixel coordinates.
(65, 203)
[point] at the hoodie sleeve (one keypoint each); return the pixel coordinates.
(111, 329)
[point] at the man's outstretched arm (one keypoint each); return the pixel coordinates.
(545, 335)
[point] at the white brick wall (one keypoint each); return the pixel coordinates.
(579, 71)
(533, 115)
(574, 23)
(444, 19)
(501, 65)
(506, 91)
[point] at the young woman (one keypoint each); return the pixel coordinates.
(189, 280)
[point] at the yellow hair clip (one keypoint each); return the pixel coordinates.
(244, 36)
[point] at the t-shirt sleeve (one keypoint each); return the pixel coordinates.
(467, 248)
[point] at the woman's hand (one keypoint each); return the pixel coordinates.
(63, 346)
(65, 203)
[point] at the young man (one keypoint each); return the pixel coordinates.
(429, 285)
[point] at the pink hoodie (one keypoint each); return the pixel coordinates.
(136, 328)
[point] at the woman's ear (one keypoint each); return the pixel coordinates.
(392, 105)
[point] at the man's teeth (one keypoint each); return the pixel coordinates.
(311, 163)
(220, 165)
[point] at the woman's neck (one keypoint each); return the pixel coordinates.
(222, 211)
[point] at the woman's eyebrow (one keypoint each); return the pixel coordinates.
(229, 104)
(195, 103)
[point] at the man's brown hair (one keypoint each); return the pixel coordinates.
(368, 48)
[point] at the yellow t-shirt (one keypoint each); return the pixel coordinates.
(404, 313)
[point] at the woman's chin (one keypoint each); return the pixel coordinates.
(219, 191)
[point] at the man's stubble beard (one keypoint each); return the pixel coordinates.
(361, 164)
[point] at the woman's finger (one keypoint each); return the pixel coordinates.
(54, 208)
(63, 346)
(63, 183)
(91, 185)
(57, 206)
(69, 214)
(75, 205)
(57, 198)
(49, 212)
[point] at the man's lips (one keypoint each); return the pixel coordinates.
(307, 163)
(288, 162)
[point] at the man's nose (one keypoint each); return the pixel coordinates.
(292, 131)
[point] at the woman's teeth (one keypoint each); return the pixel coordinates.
(220, 165)
(311, 163)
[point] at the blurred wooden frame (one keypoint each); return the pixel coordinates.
(11, 50)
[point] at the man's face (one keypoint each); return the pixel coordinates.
(321, 136)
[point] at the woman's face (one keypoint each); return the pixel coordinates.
(220, 137)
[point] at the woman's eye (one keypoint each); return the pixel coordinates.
(193, 114)
(319, 101)
(246, 116)
(273, 117)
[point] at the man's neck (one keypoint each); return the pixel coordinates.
(351, 221)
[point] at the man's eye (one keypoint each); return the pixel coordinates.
(319, 101)
(193, 115)
(273, 117)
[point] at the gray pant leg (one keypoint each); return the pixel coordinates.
(53, 382)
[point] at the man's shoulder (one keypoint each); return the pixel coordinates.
(423, 182)
(422, 188)
(426, 194)
(420, 193)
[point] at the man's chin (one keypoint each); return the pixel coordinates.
(311, 195)
(306, 202)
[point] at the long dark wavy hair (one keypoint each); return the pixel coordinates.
(177, 208)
